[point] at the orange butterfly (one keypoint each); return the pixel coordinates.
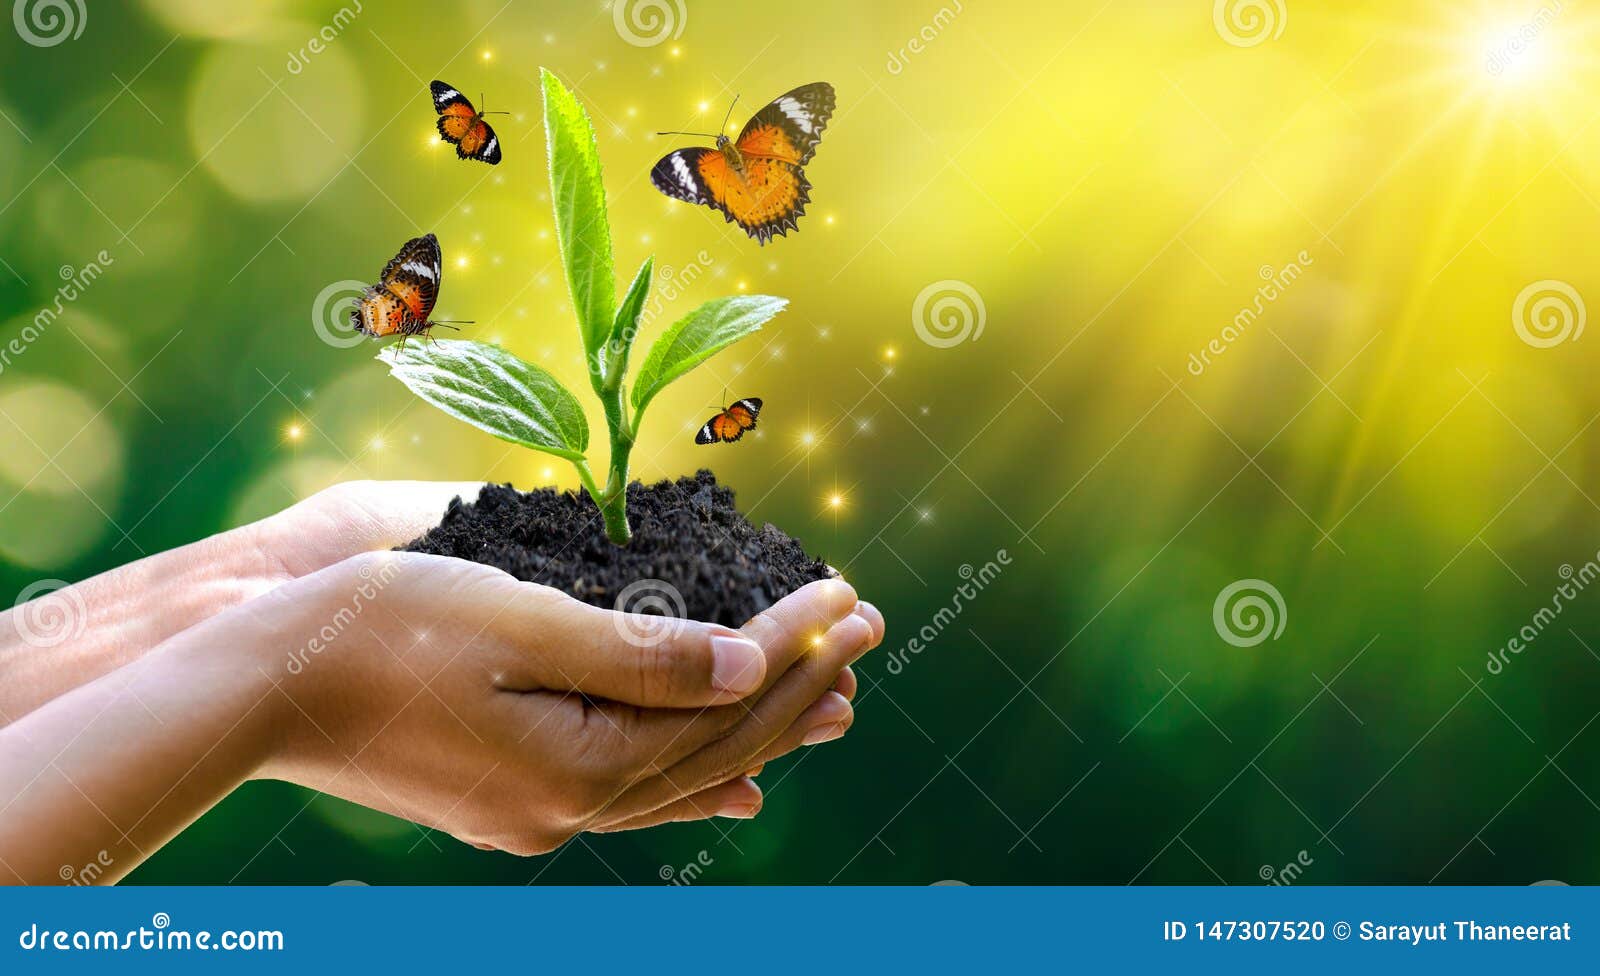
(730, 425)
(463, 125)
(401, 301)
(755, 180)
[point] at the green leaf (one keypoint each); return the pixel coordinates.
(493, 391)
(626, 327)
(579, 199)
(697, 337)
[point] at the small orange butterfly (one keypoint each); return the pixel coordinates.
(755, 180)
(463, 125)
(730, 425)
(401, 301)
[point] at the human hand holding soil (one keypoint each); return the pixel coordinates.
(500, 711)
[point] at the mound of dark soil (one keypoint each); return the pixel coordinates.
(686, 534)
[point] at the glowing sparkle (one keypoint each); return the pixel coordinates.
(889, 353)
(742, 285)
(461, 262)
(704, 106)
(817, 639)
(836, 501)
(487, 55)
(294, 432)
(547, 474)
(808, 438)
(376, 443)
(676, 51)
(828, 220)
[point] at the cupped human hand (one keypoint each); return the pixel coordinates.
(512, 716)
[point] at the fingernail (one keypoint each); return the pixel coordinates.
(823, 733)
(735, 664)
(739, 811)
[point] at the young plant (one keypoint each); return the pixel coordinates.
(517, 401)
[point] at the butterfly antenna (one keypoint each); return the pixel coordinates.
(725, 118)
(702, 135)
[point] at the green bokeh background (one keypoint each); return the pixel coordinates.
(1115, 182)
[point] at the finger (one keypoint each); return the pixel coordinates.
(770, 716)
(635, 659)
(829, 719)
(808, 611)
(757, 771)
(664, 738)
(355, 517)
(846, 684)
(874, 618)
(663, 662)
(739, 799)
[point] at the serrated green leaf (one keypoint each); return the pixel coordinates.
(625, 329)
(697, 337)
(494, 391)
(579, 199)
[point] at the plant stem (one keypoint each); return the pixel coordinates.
(613, 501)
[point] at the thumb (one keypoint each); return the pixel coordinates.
(640, 659)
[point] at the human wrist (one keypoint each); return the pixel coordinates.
(67, 638)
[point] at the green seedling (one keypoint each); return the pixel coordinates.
(517, 401)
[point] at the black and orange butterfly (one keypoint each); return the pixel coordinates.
(755, 180)
(730, 424)
(400, 303)
(463, 126)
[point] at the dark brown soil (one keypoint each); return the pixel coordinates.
(686, 534)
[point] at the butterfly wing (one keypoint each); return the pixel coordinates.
(708, 433)
(460, 125)
(764, 202)
(413, 276)
(677, 175)
(378, 313)
(480, 143)
(790, 127)
(744, 412)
